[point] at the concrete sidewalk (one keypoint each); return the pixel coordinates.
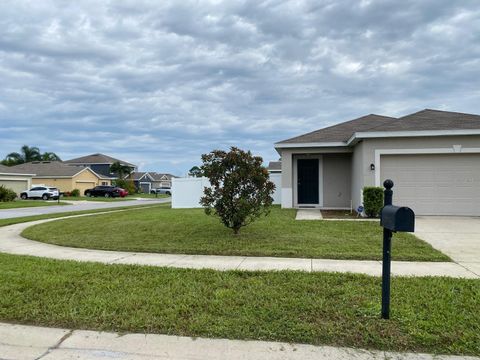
(40, 343)
(12, 242)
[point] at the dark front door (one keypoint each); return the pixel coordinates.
(307, 177)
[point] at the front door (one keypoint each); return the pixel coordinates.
(307, 181)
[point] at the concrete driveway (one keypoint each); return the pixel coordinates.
(455, 236)
(80, 206)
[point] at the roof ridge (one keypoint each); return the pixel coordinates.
(436, 110)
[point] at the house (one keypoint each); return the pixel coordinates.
(62, 176)
(432, 156)
(99, 163)
(274, 167)
(146, 181)
(15, 179)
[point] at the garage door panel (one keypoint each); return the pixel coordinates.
(16, 185)
(446, 184)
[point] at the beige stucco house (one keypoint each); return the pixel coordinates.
(15, 179)
(62, 176)
(432, 156)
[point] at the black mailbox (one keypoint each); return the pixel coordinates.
(398, 218)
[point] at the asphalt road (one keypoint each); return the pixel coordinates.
(80, 206)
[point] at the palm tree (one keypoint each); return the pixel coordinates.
(50, 156)
(120, 169)
(26, 154)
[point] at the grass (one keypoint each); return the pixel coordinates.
(190, 231)
(150, 196)
(17, 220)
(438, 315)
(28, 203)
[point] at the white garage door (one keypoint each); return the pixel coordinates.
(16, 185)
(435, 184)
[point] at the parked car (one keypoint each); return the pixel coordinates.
(104, 191)
(162, 190)
(40, 192)
(123, 192)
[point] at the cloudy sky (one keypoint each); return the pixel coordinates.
(158, 83)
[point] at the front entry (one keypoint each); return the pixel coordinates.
(307, 181)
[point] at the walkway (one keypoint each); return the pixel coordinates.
(35, 343)
(83, 205)
(12, 243)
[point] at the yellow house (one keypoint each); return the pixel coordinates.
(62, 176)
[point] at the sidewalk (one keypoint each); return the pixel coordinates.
(40, 343)
(12, 243)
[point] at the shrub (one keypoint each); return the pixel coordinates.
(67, 194)
(126, 184)
(240, 188)
(7, 194)
(75, 193)
(372, 200)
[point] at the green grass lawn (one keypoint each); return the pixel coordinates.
(190, 231)
(149, 196)
(438, 315)
(28, 203)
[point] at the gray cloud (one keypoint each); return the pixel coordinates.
(159, 83)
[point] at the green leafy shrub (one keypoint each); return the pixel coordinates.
(372, 200)
(7, 194)
(126, 184)
(75, 193)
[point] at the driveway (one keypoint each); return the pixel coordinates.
(455, 236)
(84, 205)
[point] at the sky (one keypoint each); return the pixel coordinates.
(158, 83)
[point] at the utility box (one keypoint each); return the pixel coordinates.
(398, 218)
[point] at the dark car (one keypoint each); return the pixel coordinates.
(104, 191)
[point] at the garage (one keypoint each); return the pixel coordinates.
(435, 184)
(16, 185)
(84, 185)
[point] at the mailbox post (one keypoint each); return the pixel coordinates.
(393, 219)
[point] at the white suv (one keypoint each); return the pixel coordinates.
(40, 192)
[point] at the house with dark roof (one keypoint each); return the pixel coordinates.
(62, 176)
(146, 181)
(432, 156)
(99, 163)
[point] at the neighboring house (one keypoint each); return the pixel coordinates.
(274, 167)
(62, 176)
(146, 181)
(432, 156)
(15, 179)
(99, 163)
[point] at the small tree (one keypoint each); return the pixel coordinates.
(240, 189)
(372, 200)
(195, 172)
(120, 170)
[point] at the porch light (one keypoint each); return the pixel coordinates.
(372, 167)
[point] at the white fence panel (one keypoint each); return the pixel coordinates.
(186, 192)
(277, 180)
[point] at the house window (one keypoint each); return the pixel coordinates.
(104, 183)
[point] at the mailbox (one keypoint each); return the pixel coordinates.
(398, 218)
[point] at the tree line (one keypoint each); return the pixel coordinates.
(28, 154)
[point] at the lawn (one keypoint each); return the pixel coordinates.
(190, 231)
(149, 196)
(438, 315)
(28, 203)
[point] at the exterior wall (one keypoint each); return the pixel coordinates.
(63, 184)
(85, 180)
(358, 175)
(15, 182)
(276, 178)
(287, 187)
(337, 179)
(366, 155)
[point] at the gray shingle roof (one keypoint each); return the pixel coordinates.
(343, 131)
(97, 159)
(48, 168)
(423, 120)
(274, 166)
(12, 170)
(137, 175)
